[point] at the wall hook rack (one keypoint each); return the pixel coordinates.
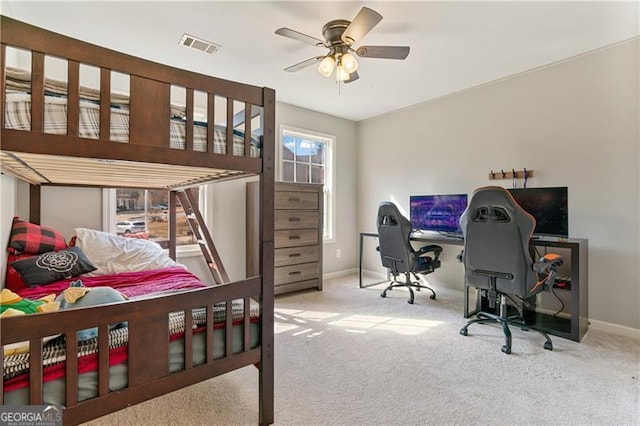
(513, 174)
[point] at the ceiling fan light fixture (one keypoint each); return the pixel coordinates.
(341, 74)
(340, 37)
(326, 66)
(349, 63)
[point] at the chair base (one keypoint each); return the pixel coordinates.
(410, 285)
(485, 317)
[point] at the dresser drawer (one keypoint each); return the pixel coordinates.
(292, 200)
(295, 238)
(293, 273)
(296, 219)
(295, 255)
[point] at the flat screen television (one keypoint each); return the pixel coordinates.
(549, 206)
(440, 213)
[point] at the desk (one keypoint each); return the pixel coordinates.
(572, 328)
(420, 237)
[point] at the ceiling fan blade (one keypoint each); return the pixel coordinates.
(364, 22)
(288, 32)
(304, 64)
(352, 77)
(384, 52)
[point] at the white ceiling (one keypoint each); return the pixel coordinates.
(454, 45)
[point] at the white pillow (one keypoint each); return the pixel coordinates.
(112, 254)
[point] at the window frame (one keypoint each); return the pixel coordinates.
(109, 205)
(329, 192)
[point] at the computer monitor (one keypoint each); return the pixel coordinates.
(440, 213)
(549, 206)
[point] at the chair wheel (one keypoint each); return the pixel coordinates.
(432, 297)
(506, 349)
(548, 346)
(383, 295)
(464, 332)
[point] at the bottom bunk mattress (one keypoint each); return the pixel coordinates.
(136, 285)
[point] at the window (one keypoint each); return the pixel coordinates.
(145, 213)
(307, 156)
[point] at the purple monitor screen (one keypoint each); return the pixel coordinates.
(439, 213)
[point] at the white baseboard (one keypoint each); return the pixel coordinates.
(352, 271)
(614, 328)
(375, 274)
(337, 274)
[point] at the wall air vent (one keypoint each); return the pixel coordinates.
(199, 44)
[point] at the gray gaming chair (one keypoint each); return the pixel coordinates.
(497, 260)
(399, 256)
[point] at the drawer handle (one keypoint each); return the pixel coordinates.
(295, 255)
(295, 273)
(294, 219)
(294, 237)
(294, 199)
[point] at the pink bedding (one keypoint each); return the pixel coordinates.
(131, 284)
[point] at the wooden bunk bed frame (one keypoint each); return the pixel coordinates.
(38, 157)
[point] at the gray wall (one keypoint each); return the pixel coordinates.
(574, 124)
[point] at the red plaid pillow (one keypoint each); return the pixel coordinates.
(14, 281)
(28, 237)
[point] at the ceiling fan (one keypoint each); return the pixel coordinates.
(339, 37)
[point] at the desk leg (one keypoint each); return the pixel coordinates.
(360, 260)
(360, 263)
(466, 302)
(467, 314)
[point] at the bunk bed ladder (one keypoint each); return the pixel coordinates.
(203, 238)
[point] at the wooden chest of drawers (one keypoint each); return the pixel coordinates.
(298, 235)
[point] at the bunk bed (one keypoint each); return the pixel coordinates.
(133, 144)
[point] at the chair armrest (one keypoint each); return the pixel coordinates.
(548, 265)
(429, 248)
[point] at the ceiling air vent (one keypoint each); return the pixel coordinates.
(199, 44)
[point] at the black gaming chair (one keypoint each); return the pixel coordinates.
(497, 260)
(398, 255)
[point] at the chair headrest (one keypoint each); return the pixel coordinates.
(495, 204)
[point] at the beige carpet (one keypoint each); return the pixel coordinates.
(345, 356)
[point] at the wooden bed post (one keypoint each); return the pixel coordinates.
(267, 185)
(34, 204)
(173, 232)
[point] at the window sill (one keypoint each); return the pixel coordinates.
(191, 250)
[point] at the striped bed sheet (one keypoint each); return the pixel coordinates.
(18, 117)
(16, 366)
